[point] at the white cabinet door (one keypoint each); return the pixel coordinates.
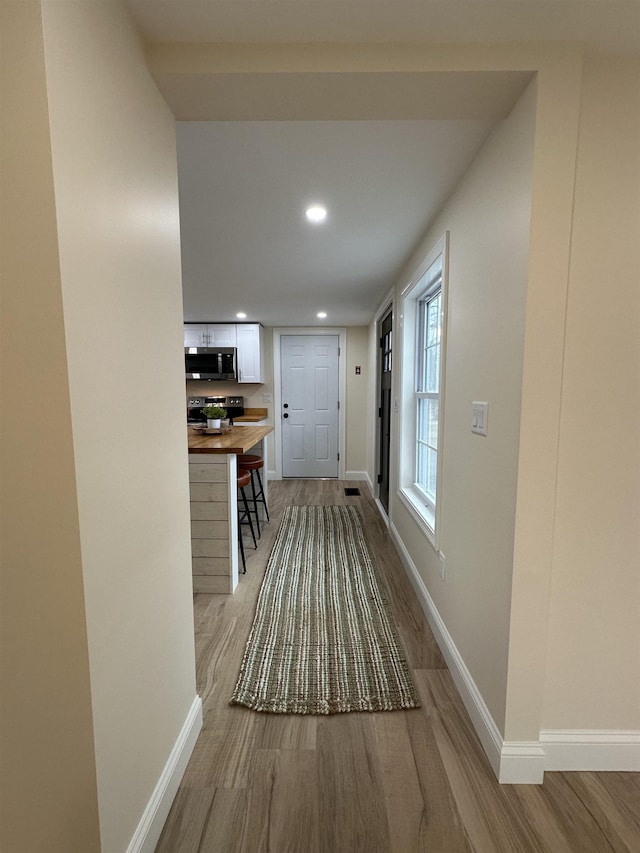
(221, 335)
(209, 335)
(249, 352)
(195, 335)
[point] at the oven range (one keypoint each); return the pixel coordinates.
(233, 405)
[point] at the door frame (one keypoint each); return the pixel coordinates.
(388, 304)
(309, 331)
(378, 433)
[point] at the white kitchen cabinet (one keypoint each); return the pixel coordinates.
(246, 337)
(223, 336)
(195, 335)
(250, 357)
(210, 335)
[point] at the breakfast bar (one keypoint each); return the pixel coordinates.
(213, 473)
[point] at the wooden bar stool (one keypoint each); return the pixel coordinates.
(253, 463)
(244, 515)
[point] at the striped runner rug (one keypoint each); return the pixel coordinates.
(323, 639)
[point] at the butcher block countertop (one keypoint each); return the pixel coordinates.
(240, 439)
(252, 415)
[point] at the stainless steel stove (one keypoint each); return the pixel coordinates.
(233, 405)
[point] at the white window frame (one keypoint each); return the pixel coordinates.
(430, 277)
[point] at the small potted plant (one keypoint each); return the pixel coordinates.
(213, 415)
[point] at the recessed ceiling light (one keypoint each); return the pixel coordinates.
(316, 213)
(241, 315)
(322, 314)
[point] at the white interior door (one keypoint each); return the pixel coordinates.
(309, 410)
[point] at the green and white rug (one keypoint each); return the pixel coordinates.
(323, 639)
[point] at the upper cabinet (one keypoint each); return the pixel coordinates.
(247, 337)
(210, 335)
(250, 358)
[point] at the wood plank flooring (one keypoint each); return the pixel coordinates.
(389, 782)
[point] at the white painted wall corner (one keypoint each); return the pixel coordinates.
(522, 762)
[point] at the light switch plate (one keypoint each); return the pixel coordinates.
(479, 418)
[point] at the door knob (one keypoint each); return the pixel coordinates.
(285, 415)
(285, 405)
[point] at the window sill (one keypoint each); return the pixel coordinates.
(422, 514)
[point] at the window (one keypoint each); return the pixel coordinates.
(429, 340)
(423, 351)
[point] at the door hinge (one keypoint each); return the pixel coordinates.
(338, 405)
(379, 478)
(338, 457)
(380, 412)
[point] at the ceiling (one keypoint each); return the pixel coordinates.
(381, 151)
(244, 188)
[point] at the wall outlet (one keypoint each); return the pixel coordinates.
(267, 398)
(441, 559)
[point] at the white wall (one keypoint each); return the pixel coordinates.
(48, 794)
(564, 653)
(356, 414)
(593, 658)
(115, 177)
(488, 220)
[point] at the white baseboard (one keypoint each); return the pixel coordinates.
(522, 762)
(369, 482)
(356, 475)
(481, 718)
(599, 750)
(146, 836)
(382, 511)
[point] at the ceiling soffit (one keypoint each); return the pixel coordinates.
(333, 83)
(341, 97)
(602, 25)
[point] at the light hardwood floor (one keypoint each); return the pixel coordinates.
(389, 782)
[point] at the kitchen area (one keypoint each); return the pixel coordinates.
(226, 358)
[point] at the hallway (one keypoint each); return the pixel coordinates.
(390, 782)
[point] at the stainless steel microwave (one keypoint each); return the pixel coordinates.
(211, 363)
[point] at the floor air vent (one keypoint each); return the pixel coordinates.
(352, 493)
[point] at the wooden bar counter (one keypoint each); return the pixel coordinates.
(213, 471)
(240, 439)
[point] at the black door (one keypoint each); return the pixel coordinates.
(385, 409)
